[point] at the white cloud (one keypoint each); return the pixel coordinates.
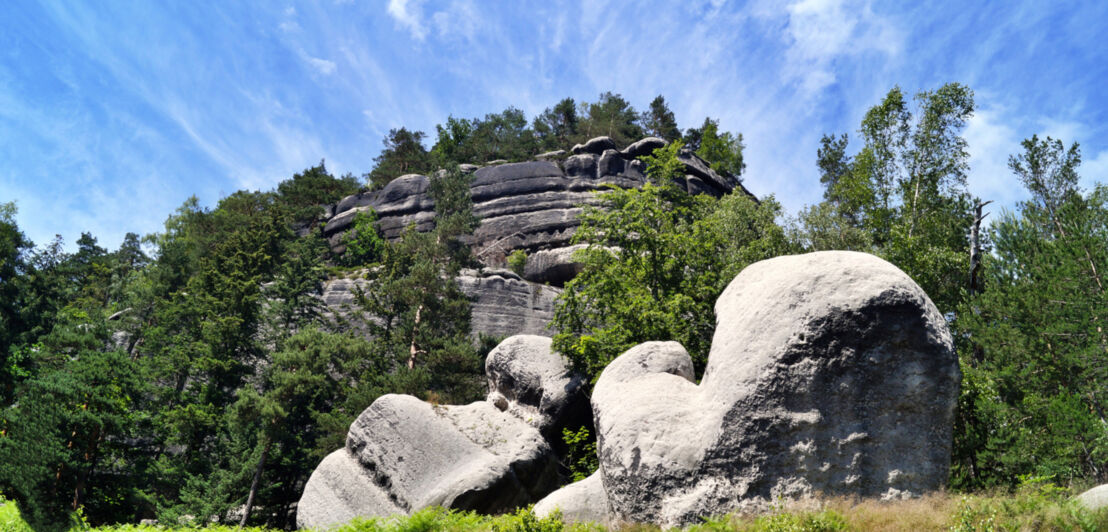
(819, 31)
(409, 14)
(1094, 170)
(322, 66)
(992, 138)
(461, 19)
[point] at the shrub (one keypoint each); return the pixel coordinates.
(517, 261)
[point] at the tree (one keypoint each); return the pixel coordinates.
(723, 151)
(904, 190)
(403, 154)
(421, 316)
(1034, 364)
(305, 194)
(503, 135)
(657, 259)
(557, 127)
(13, 250)
(364, 244)
(659, 121)
(834, 164)
(64, 443)
(614, 117)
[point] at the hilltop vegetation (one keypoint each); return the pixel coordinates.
(193, 372)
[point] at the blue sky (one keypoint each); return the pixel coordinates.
(113, 113)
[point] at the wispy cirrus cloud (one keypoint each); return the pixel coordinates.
(409, 14)
(132, 108)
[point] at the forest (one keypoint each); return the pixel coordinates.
(195, 372)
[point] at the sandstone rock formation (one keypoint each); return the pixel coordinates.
(529, 205)
(502, 303)
(1094, 498)
(529, 380)
(580, 502)
(553, 266)
(829, 373)
(403, 454)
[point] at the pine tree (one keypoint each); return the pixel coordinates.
(1033, 399)
(660, 122)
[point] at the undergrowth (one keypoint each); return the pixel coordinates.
(1037, 506)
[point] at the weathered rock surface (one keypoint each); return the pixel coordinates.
(829, 373)
(340, 490)
(643, 147)
(580, 502)
(502, 304)
(1095, 498)
(403, 454)
(555, 266)
(529, 380)
(530, 205)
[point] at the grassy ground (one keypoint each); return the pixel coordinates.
(1038, 508)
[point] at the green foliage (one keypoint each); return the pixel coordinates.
(69, 419)
(13, 266)
(364, 244)
(403, 154)
(503, 135)
(724, 151)
(903, 195)
(581, 457)
(659, 121)
(517, 261)
(780, 521)
(1034, 354)
(423, 316)
(656, 260)
(614, 117)
(305, 194)
(1035, 506)
(558, 127)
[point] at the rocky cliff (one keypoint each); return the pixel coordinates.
(503, 303)
(531, 206)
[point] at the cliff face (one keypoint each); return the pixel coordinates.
(503, 304)
(531, 206)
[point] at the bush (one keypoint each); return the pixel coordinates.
(517, 261)
(581, 456)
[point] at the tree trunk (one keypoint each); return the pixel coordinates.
(254, 483)
(412, 350)
(975, 249)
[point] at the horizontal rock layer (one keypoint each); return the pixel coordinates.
(530, 205)
(503, 304)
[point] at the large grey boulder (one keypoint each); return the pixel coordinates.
(403, 454)
(582, 165)
(829, 373)
(580, 502)
(595, 145)
(502, 304)
(610, 163)
(340, 490)
(534, 383)
(1095, 498)
(531, 205)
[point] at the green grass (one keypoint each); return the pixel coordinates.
(1038, 507)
